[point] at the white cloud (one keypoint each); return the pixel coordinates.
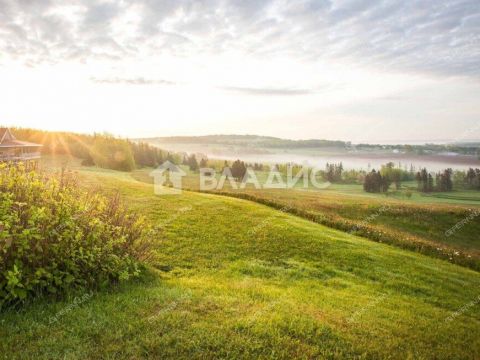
(322, 54)
(434, 36)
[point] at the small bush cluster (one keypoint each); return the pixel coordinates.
(55, 237)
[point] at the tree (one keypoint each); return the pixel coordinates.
(412, 170)
(374, 182)
(192, 162)
(338, 171)
(396, 178)
(238, 170)
(424, 180)
(369, 182)
(333, 172)
(109, 152)
(146, 155)
(418, 177)
(472, 178)
(258, 167)
(444, 180)
(394, 175)
(203, 163)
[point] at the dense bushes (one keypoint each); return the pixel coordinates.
(55, 237)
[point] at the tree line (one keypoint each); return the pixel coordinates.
(447, 179)
(426, 182)
(101, 150)
(441, 181)
(373, 181)
(471, 179)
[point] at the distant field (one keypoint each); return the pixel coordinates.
(235, 279)
(457, 197)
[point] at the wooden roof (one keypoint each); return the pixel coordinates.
(7, 140)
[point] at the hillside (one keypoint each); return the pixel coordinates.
(235, 279)
(246, 141)
(420, 222)
(269, 142)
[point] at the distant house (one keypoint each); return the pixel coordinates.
(13, 150)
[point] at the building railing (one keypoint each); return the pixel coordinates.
(20, 157)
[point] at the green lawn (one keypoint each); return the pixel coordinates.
(419, 223)
(236, 279)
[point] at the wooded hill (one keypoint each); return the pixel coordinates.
(273, 142)
(102, 150)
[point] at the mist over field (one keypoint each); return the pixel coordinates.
(318, 153)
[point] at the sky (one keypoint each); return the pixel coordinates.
(363, 71)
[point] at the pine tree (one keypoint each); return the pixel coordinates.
(374, 182)
(192, 162)
(429, 187)
(239, 170)
(203, 163)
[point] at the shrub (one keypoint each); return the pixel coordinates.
(55, 237)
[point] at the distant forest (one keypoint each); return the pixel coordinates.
(273, 142)
(248, 140)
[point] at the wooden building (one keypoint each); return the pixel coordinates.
(13, 150)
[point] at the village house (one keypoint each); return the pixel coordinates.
(13, 150)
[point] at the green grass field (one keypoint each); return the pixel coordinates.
(236, 279)
(419, 223)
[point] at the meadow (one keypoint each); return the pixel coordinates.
(237, 279)
(406, 217)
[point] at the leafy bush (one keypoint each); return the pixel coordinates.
(55, 237)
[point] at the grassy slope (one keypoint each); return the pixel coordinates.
(287, 288)
(418, 224)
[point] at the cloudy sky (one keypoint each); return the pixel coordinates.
(370, 70)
